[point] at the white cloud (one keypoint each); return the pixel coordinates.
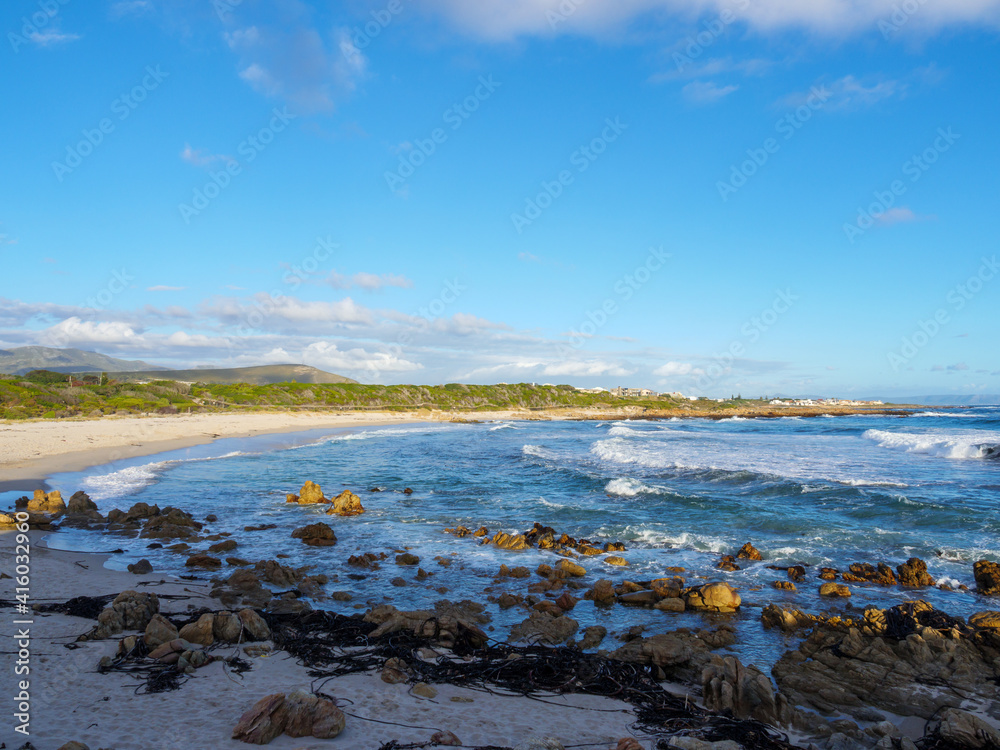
(900, 215)
(368, 281)
(588, 368)
(714, 67)
(131, 8)
(201, 157)
(48, 37)
(165, 288)
(848, 93)
(706, 92)
(507, 19)
(76, 331)
(327, 356)
(671, 369)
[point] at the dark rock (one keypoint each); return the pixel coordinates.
(316, 535)
(141, 568)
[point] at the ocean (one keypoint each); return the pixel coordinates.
(825, 491)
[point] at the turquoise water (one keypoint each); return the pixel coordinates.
(819, 492)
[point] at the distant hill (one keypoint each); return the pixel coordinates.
(24, 359)
(261, 375)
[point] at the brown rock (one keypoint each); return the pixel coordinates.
(203, 561)
(749, 552)
(603, 592)
(407, 559)
(227, 546)
(141, 568)
(263, 722)
(254, 625)
(670, 605)
(615, 560)
(444, 737)
(716, 597)
(592, 637)
(566, 602)
(346, 504)
(200, 631)
(544, 629)
(985, 620)
(316, 535)
(511, 542)
(567, 568)
(834, 590)
(310, 494)
(828, 574)
(914, 573)
(784, 585)
(987, 577)
(159, 631)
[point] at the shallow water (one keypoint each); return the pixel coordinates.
(825, 491)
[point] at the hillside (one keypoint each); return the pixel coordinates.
(24, 359)
(260, 375)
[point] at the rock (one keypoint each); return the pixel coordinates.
(297, 714)
(746, 692)
(254, 625)
(639, 598)
(628, 743)
(668, 588)
(914, 573)
(965, 730)
(670, 605)
(545, 629)
(407, 559)
(834, 590)
(716, 597)
(774, 616)
(567, 568)
(985, 620)
(227, 627)
(80, 503)
(310, 494)
(211, 518)
(566, 602)
(423, 690)
(828, 574)
(48, 503)
(592, 637)
(510, 542)
(796, 573)
(159, 631)
(203, 561)
(784, 585)
(861, 572)
(201, 631)
(444, 737)
(692, 743)
(141, 568)
(130, 610)
(987, 577)
(225, 546)
(728, 563)
(749, 552)
(316, 535)
(346, 504)
(615, 560)
(603, 592)
(506, 601)
(73, 746)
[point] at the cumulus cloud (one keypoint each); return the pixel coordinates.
(165, 288)
(73, 331)
(587, 368)
(677, 369)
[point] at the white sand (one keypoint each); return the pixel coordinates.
(71, 701)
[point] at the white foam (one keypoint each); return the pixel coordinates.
(504, 426)
(124, 482)
(628, 487)
(956, 445)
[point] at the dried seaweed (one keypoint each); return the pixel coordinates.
(87, 607)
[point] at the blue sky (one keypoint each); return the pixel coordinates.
(711, 197)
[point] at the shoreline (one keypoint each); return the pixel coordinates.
(31, 451)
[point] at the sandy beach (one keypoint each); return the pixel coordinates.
(71, 701)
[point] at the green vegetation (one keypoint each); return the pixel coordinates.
(56, 395)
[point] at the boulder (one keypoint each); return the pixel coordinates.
(615, 560)
(715, 597)
(592, 637)
(745, 692)
(48, 503)
(141, 568)
(131, 610)
(965, 730)
(985, 620)
(80, 503)
(159, 631)
(202, 560)
(749, 552)
(670, 605)
(316, 535)
(544, 628)
(346, 504)
(310, 494)
(227, 545)
(444, 737)
(834, 590)
(569, 569)
(254, 626)
(201, 631)
(407, 559)
(508, 541)
(987, 577)
(866, 572)
(666, 650)
(914, 573)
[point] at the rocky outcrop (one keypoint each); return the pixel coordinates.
(987, 577)
(749, 552)
(297, 714)
(140, 568)
(159, 631)
(310, 494)
(910, 659)
(203, 561)
(866, 572)
(47, 503)
(745, 692)
(914, 573)
(508, 541)
(346, 504)
(965, 730)
(834, 590)
(316, 535)
(447, 623)
(569, 569)
(170, 523)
